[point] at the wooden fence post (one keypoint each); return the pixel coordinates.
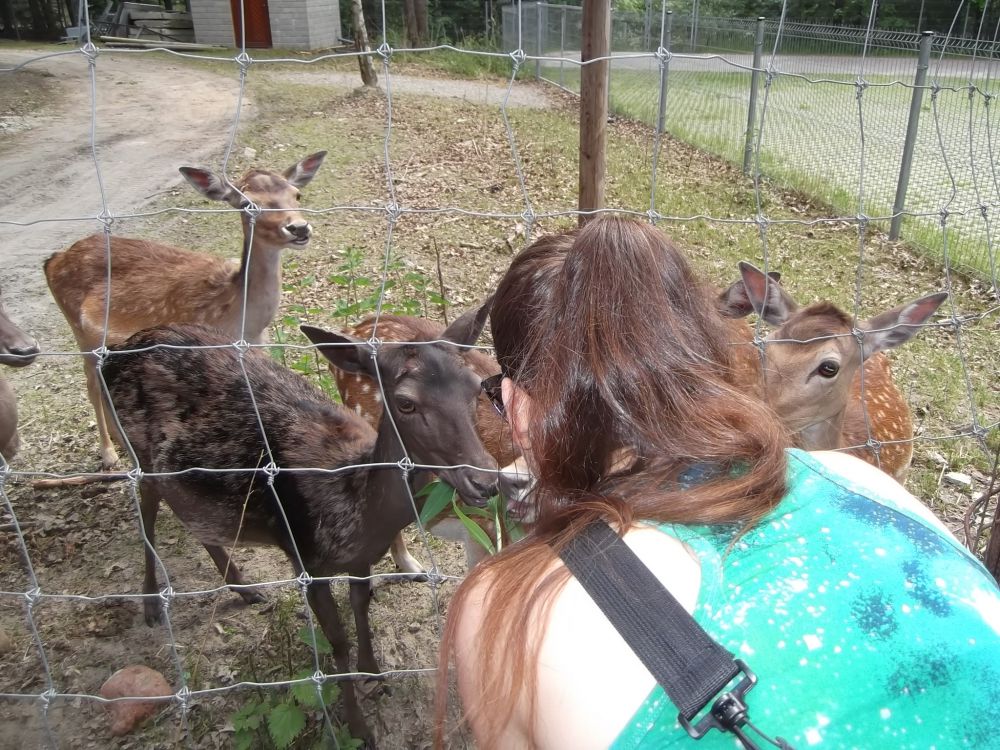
(594, 103)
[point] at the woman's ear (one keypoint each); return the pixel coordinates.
(517, 407)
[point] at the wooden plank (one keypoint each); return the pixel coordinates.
(121, 41)
(595, 43)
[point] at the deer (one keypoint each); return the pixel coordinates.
(360, 393)
(324, 486)
(17, 349)
(826, 387)
(152, 283)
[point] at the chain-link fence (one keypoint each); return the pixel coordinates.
(812, 141)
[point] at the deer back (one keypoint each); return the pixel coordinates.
(184, 409)
(360, 393)
(888, 419)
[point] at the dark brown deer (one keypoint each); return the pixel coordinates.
(360, 393)
(813, 372)
(185, 409)
(17, 349)
(155, 284)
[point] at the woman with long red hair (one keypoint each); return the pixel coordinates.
(867, 623)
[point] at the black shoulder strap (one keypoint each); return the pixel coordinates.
(692, 668)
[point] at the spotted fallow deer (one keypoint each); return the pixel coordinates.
(17, 349)
(360, 393)
(828, 388)
(328, 490)
(155, 284)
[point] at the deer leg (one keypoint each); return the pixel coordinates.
(360, 601)
(406, 562)
(233, 575)
(149, 506)
(109, 456)
(321, 600)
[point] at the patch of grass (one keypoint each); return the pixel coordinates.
(811, 142)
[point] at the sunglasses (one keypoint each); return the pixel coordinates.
(491, 387)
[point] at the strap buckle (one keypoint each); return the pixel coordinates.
(729, 711)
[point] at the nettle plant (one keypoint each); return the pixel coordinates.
(353, 296)
(296, 716)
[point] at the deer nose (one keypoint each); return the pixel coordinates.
(300, 230)
(23, 355)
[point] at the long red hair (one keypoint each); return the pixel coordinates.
(622, 352)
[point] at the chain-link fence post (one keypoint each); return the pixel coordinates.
(923, 62)
(758, 58)
(665, 29)
(648, 26)
(562, 46)
(539, 39)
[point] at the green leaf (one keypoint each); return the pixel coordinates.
(474, 530)
(244, 740)
(438, 498)
(284, 724)
(248, 717)
(471, 510)
(337, 278)
(322, 644)
(305, 692)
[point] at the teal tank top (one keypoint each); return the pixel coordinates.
(867, 627)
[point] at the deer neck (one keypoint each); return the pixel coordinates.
(387, 492)
(260, 276)
(824, 435)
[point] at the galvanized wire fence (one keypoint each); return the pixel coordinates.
(814, 142)
(840, 111)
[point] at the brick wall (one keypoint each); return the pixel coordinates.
(213, 22)
(295, 24)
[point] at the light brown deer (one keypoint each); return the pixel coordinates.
(154, 284)
(360, 393)
(17, 349)
(334, 497)
(828, 388)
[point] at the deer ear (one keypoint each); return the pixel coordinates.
(209, 184)
(301, 174)
(734, 302)
(900, 324)
(466, 329)
(344, 352)
(765, 294)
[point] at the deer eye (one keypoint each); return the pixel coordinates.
(828, 368)
(405, 406)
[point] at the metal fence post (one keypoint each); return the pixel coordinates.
(758, 58)
(665, 29)
(562, 46)
(539, 36)
(923, 62)
(648, 26)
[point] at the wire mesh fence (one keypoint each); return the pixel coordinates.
(813, 140)
(829, 108)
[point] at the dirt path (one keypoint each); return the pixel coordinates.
(152, 117)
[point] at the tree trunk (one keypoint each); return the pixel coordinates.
(368, 75)
(410, 22)
(7, 18)
(420, 13)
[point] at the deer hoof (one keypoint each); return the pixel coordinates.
(253, 597)
(153, 612)
(374, 687)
